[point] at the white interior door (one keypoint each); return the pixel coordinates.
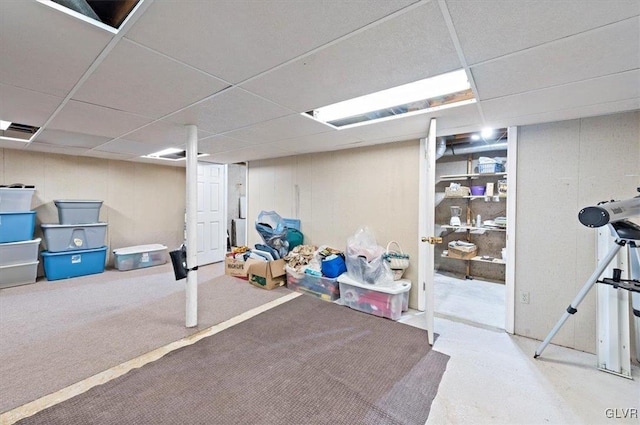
(426, 226)
(212, 221)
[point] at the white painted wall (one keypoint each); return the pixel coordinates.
(563, 167)
(342, 191)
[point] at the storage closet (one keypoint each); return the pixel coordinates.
(470, 216)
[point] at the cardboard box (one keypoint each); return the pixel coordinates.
(235, 268)
(267, 274)
(462, 253)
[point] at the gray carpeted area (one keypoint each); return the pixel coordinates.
(304, 362)
(53, 334)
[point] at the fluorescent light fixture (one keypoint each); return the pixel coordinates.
(475, 137)
(171, 154)
(17, 132)
(446, 90)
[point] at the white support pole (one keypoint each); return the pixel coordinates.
(191, 290)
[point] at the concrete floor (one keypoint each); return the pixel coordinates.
(469, 301)
(492, 377)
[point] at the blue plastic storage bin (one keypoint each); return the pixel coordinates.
(292, 223)
(17, 226)
(63, 265)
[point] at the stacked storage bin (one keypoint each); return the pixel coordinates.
(75, 247)
(18, 249)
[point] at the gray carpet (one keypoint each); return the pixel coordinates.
(53, 334)
(304, 362)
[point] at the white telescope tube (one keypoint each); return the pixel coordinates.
(603, 214)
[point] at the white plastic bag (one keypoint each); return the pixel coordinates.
(364, 259)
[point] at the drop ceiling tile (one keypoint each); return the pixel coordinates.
(127, 147)
(409, 47)
(65, 138)
(239, 39)
(48, 148)
(12, 144)
(109, 155)
(611, 88)
(137, 80)
(26, 106)
(49, 51)
(316, 142)
(603, 51)
(287, 127)
(247, 154)
(217, 144)
(229, 110)
(163, 133)
(491, 28)
(598, 109)
(78, 117)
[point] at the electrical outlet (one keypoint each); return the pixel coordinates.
(524, 297)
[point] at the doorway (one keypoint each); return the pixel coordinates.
(466, 243)
(211, 225)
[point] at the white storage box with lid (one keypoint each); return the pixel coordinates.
(72, 211)
(19, 252)
(13, 199)
(380, 300)
(136, 257)
(72, 237)
(18, 274)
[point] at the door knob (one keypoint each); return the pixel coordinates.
(432, 239)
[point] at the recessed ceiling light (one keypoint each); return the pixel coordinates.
(17, 132)
(439, 92)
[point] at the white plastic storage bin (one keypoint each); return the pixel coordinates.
(19, 252)
(72, 237)
(15, 199)
(78, 212)
(380, 300)
(18, 274)
(137, 257)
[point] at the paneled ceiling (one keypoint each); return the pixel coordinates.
(244, 70)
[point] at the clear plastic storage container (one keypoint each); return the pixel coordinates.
(137, 257)
(18, 274)
(380, 300)
(19, 252)
(319, 286)
(15, 199)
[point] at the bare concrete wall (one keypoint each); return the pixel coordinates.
(142, 203)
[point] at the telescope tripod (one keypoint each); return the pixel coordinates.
(628, 233)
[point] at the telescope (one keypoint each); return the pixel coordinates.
(609, 212)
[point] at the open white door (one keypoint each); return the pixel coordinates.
(211, 227)
(426, 226)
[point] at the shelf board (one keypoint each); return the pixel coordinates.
(492, 229)
(478, 259)
(450, 177)
(501, 197)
